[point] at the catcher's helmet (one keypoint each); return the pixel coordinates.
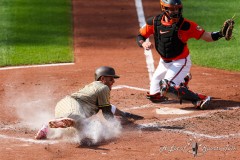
(172, 9)
(105, 71)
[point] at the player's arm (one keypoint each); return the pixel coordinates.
(225, 31)
(107, 113)
(197, 32)
(118, 112)
(103, 102)
(211, 36)
(140, 40)
(144, 32)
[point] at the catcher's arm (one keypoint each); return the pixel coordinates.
(225, 31)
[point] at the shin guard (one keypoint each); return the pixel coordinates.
(169, 89)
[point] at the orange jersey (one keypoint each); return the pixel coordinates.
(188, 29)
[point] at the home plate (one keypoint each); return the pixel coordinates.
(167, 110)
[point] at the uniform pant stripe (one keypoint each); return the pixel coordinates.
(180, 70)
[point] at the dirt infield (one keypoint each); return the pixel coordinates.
(107, 37)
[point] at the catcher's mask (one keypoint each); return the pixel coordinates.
(105, 71)
(172, 9)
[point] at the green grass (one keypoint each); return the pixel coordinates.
(211, 15)
(40, 32)
(35, 32)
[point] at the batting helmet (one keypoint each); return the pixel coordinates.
(105, 71)
(172, 9)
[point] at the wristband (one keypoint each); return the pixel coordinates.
(216, 36)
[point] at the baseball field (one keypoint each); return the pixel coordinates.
(104, 34)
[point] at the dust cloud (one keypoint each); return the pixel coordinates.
(95, 129)
(35, 108)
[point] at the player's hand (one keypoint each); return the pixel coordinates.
(147, 45)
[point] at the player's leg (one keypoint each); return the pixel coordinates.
(61, 123)
(171, 86)
(154, 94)
(170, 89)
(178, 70)
(42, 132)
(67, 113)
(186, 81)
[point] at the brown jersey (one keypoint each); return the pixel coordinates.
(85, 102)
(93, 97)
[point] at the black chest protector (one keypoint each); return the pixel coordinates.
(166, 38)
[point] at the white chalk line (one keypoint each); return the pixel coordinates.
(36, 66)
(142, 126)
(158, 126)
(129, 87)
(29, 140)
(140, 107)
(38, 101)
(147, 53)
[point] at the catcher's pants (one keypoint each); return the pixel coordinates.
(174, 71)
(68, 107)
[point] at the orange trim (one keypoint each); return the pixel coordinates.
(169, 23)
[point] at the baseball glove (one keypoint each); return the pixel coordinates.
(227, 29)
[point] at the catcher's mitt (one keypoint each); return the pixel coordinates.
(227, 29)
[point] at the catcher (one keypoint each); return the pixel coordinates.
(171, 32)
(72, 109)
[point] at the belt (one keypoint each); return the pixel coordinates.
(167, 61)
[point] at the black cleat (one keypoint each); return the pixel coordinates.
(156, 98)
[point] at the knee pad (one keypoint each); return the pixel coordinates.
(171, 90)
(164, 86)
(167, 89)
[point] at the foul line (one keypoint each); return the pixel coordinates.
(147, 53)
(35, 66)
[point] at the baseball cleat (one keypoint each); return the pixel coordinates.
(156, 98)
(203, 104)
(42, 133)
(61, 123)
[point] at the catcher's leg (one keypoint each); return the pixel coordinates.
(186, 80)
(169, 89)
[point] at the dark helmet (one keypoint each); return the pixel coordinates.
(105, 71)
(172, 5)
